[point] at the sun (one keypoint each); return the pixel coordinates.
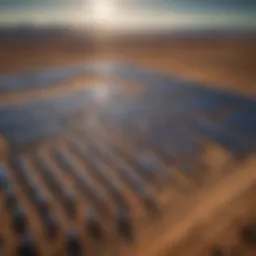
(103, 12)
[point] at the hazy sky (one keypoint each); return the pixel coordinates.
(188, 5)
(131, 14)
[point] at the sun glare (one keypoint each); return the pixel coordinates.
(102, 93)
(103, 11)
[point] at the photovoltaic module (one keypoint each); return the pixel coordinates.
(106, 165)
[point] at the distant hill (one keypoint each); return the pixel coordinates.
(56, 32)
(32, 31)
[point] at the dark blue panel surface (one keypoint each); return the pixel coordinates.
(30, 121)
(171, 108)
(40, 79)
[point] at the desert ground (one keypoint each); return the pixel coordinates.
(225, 63)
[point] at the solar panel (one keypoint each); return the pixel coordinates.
(100, 172)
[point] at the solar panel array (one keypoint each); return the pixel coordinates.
(93, 170)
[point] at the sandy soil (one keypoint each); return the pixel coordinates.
(225, 63)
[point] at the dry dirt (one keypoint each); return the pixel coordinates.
(228, 64)
(223, 62)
